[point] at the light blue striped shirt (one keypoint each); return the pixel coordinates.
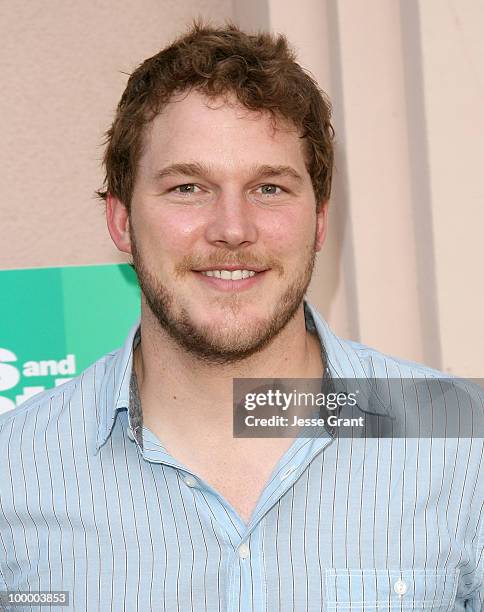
(342, 524)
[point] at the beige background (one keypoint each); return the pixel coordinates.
(402, 268)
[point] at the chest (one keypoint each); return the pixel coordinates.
(357, 530)
(238, 470)
(240, 485)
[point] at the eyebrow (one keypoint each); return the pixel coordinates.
(200, 169)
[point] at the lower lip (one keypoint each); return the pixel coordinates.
(231, 285)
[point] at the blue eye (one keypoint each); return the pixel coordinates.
(187, 188)
(270, 189)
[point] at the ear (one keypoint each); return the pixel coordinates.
(321, 224)
(117, 219)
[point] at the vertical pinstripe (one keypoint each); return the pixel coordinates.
(84, 508)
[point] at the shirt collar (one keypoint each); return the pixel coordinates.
(343, 361)
(115, 387)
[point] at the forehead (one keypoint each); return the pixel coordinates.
(220, 132)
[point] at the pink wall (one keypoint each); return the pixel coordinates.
(401, 270)
(62, 75)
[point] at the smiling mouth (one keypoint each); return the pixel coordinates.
(229, 274)
(230, 280)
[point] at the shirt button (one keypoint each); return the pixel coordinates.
(244, 551)
(190, 481)
(400, 587)
(130, 433)
(288, 472)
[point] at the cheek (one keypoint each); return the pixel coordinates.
(174, 232)
(290, 235)
(181, 228)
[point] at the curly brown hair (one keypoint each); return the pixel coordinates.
(261, 71)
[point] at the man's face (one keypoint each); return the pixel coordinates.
(218, 189)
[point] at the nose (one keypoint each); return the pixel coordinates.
(232, 222)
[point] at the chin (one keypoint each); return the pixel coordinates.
(229, 307)
(227, 329)
(232, 340)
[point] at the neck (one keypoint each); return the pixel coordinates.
(175, 384)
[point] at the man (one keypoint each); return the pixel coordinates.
(126, 486)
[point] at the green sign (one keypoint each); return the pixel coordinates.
(55, 322)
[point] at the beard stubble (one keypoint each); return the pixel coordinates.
(219, 347)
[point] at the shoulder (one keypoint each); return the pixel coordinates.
(350, 359)
(71, 399)
(422, 402)
(379, 364)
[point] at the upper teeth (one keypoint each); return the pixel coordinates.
(230, 274)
